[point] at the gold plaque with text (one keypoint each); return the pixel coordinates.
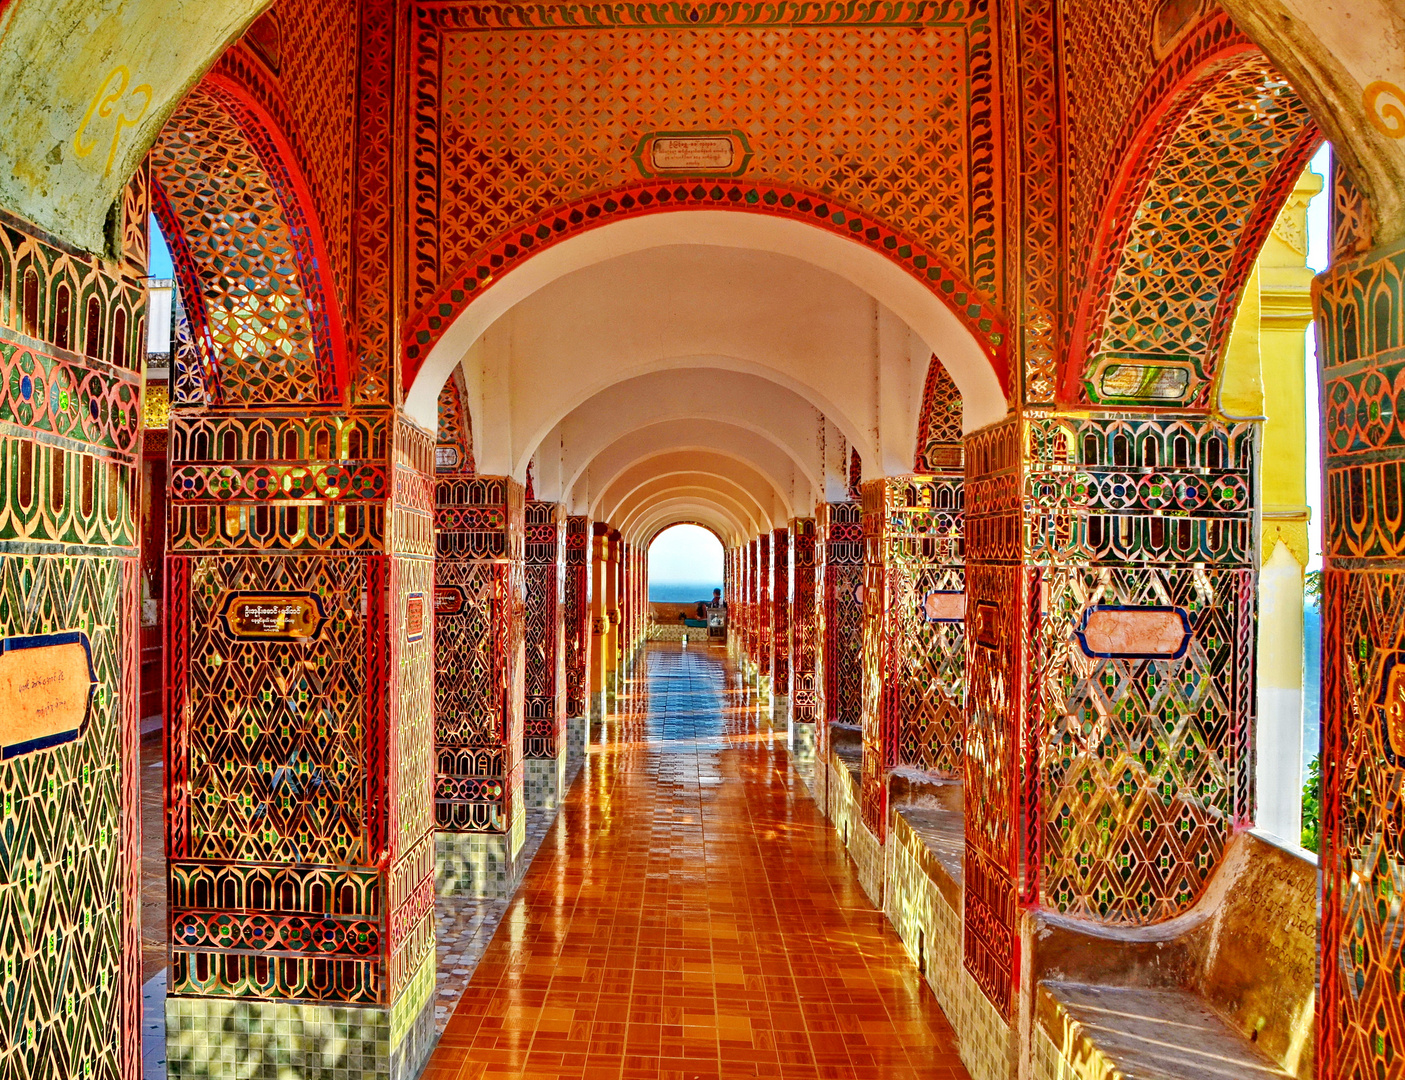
(46, 689)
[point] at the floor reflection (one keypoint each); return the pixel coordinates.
(691, 915)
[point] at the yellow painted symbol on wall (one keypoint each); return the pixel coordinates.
(115, 89)
(1385, 108)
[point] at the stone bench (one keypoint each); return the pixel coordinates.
(1223, 992)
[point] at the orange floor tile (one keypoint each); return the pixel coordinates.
(692, 915)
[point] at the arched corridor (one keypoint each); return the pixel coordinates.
(354, 354)
(692, 914)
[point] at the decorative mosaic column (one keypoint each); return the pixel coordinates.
(839, 615)
(913, 641)
(544, 676)
(745, 604)
(576, 617)
(780, 619)
(599, 617)
(765, 648)
(1360, 305)
(1110, 614)
(804, 695)
(478, 687)
(72, 341)
(611, 644)
(299, 735)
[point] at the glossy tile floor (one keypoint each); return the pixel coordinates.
(692, 915)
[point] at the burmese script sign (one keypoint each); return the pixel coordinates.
(46, 689)
(272, 616)
(414, 616)
(712, 154)
(448, 600)
(692, 153)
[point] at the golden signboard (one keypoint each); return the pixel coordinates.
(272, 616)
(46, 690)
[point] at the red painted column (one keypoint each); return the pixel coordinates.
(544, 675)
(576, 616)
(804, 630)
(780, 612)
(478, 688)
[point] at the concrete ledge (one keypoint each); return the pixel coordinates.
(844, 811)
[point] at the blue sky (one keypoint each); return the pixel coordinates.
(685, 554)
(159, 261)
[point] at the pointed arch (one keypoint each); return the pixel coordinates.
(249, 256)
(1195, 199)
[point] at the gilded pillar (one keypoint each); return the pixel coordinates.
(544, 675)
(839, 549)
(612, 614)
(478, 685)
(599, 617)
(804, 695)
(1360, 306)
(780, 616)
(914, 651)
(1110, 582)
(300, 720)
(764, 647)
(72, 351)
(576, 616)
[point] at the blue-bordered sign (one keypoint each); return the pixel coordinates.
(1126, 632)
(47, 686)
(943, 606)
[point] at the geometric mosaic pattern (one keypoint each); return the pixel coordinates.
(1209, 190)
(1361, 1014)
(70, 962)
(1144, 763)
(913, 641)
(839, 549)
(804, 631)
(576, 610)
(545, 671)
(780, 610)
(250, 287)
(488, 154)
(479, 645)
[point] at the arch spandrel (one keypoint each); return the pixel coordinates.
(249, 255)
(1195, 201)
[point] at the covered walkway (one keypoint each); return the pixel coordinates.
(692, 915)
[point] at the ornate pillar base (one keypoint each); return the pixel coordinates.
(484, 865)
(577, 734)
(800, 738)
(544, 782)
(212, 1038)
